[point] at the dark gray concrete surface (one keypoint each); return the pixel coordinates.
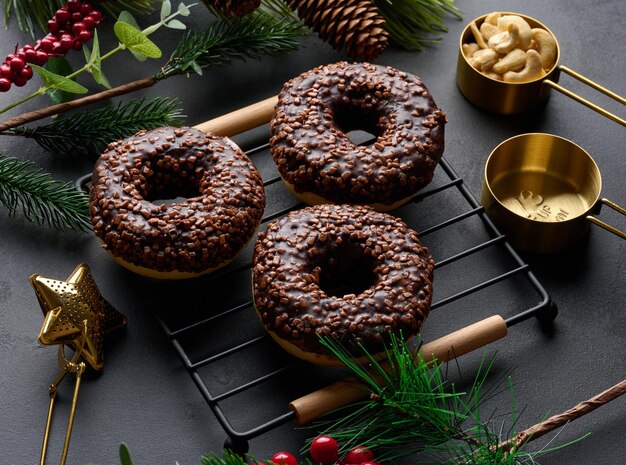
(144, 396)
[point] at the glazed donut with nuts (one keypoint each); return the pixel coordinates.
(312, 149)
(346, 272)
(223, 202)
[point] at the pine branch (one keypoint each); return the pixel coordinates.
(260, 33)
(89, 132)
(413, 24)
(36, 13)
(41, 198)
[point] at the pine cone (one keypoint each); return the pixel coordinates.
(353, 24)
(234, 7)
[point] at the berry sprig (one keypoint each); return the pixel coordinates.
(324, 450)
(70, 28)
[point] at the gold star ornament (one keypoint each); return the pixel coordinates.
(76, 314)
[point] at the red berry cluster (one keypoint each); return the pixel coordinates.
(70, 28)
(325, 451)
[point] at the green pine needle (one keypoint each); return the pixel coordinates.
(260, 33)
(36, 13)
(41, 198)
(413, 24)
(414, 409)
(89, 132)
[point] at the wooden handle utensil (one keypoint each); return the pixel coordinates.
(463, 341)
(241, 120)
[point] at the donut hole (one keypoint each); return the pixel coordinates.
(169, 186)
(346, 270)
(360, 124)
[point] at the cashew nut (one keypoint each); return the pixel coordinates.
(478, 36)
(469, 49)
(532, 70)
(484, 59)
(492, 75)
(513, 61)
(492, 18)
(504, 42)
(546, 45)
(488, 30)
(525, 33)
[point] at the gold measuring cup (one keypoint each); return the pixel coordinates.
(541, 190)
(519, 97)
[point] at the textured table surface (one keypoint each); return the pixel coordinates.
(144, 397)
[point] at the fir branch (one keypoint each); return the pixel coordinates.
(252, 36)
(41, 198)
(89, 132)
(36, 13)
(413, 24)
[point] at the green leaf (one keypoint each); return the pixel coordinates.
(125, 458)
(136, 41)
(60, 66)
(126, 17)
(183, 10)
(56, 81)
(166, 9)
(95, 64)
(176, 24)
(197, 68)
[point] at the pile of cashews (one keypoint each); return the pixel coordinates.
(509, 50)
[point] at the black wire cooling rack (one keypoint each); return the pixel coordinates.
(211, 323)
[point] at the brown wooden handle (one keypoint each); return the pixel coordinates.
(241, 120)
(463, 341)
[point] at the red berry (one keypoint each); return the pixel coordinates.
(53, 25)
(47, 44)
(86, 8)
(73, 5)
(30, 55)
(20, 81)
(57, 48)
(96, 15)
(85, 36)
(77, 16)
(17, 64)
(62, 15)
(26, 72)
(6, 71)
(359, 455)
(284, 458)
(21, 54)
(10, 56)
(42, 58)
(324, 450)
(77, 45)
(78, 27)
(370, 463)
(5, 84)
(89, 22)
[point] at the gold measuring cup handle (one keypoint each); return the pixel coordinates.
(586, 102)
(607, 226)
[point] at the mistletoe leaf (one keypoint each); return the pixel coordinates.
(128, 18)
(176, 24)
(95, 64)
(136, 41)
(166, 9)
(183, 10)
(60, 66)
(56, 81)
(125, 458)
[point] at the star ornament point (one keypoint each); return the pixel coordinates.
(72, 305)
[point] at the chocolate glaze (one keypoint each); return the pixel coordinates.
(225, 204)
(315, 110)
(294, 251)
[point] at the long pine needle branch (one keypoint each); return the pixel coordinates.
(252, 36)
(89, 132)
(41, 198)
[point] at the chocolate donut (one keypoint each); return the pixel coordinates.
(347, 272)
(222, 206)
(313, 151)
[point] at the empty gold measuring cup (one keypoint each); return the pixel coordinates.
(541, 190)
(519, 97)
